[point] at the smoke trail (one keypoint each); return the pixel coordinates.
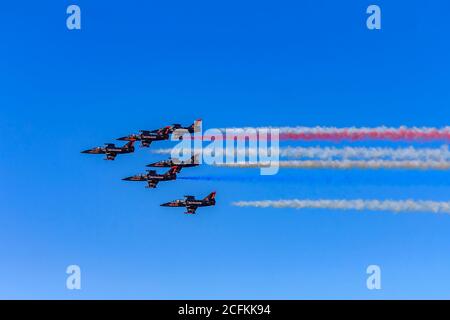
(175, 149)
(361, 133)
(359, 205)
(212, 178)
(345, 164)
(330, 153)
(414, 179)
(229, 178)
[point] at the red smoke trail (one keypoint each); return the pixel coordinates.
(388, 135)
(348, 134)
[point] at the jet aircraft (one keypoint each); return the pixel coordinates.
(111, 150)
(153, 178)
(192, 204)
(146, 137)
(195, 127)
(192, 162)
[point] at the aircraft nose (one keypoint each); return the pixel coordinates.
(126, 138)
(127, 178)
(165, 204)
(154, 164)
(86, 151)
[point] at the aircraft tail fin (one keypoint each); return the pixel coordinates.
(130, 144)
(174, 170)
(166, 130)
(196, 126)
(210, 196)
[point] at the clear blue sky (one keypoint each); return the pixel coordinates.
(145, 64)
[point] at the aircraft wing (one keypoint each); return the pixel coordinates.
(110, 155)
(146, 143)
(152, 183)
(191, 209)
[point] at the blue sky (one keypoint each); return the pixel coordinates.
(145, 64)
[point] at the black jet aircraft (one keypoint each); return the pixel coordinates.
(146, 137)
(192, 204)
(192, 162)
(195, 127)
(152, 178)
(111, 150)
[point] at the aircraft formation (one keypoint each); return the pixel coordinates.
(152, 177)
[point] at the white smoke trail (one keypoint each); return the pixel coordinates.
(345, 164)
(331, 153)
(169, 150)
(360, 205)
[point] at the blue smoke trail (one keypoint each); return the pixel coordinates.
(356, 177)
(238, 178)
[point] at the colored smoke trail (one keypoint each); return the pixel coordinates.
(330, 153)
(358, 133)
(359, 205)
(345, 164)
(228, 178)
(409, 179)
